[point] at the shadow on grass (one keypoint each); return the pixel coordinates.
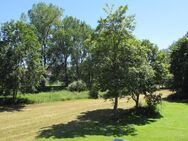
(177, 98)
(8, 105)
(100, 122)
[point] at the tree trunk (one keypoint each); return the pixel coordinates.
(137, 101)
(66, 73)
(14, 95)
(77, 71)
(44, 55)
(115, 105)
(90, 78)
(135, 97)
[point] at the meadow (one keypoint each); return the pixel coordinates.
(62, 95)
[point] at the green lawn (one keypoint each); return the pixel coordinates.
(89, 120)
(43, 97)
(171, 126)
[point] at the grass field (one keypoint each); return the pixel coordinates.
(44, 97)
(88, 120)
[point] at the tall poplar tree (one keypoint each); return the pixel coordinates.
(44, 17)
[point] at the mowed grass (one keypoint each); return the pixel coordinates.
(44, 97)
(172, 126)
(88, 120)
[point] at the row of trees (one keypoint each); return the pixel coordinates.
(179, 66)
(20, 67)
(43, 46)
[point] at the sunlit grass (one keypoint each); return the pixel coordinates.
(63, 95)
(172, 126)
(65, 120)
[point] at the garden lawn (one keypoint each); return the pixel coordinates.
(172, 126)
(87, 120)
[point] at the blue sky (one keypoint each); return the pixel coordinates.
(160, 21)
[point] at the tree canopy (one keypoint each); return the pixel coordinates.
(44, 17)
(112, 51)
(20, 67)
(50, 48)
(179, 65)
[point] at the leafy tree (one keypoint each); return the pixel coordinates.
(88, 71)
(61, 48)
(160, 62)
(140, 74)
(112, 51)
(79, 53)
(44, 17)
(162, 68)
(20, 67)
(179, 65)
(3, 64)
(68, 49)
(152, 51)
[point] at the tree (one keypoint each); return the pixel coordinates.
(68, 49)
(162, 68)
(88, 71)
(44, 17)
(152, 51)
(160, 62)
(60, 50)
(3, 64)
(140, 74)
(112, 52)
(81, 31)
(179, 66)
(20, 59)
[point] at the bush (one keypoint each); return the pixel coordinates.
(152, 101)
(42, 84)
(77, 86)
(93, 93)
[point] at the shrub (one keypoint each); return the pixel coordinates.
(152, 101)
(77, 86)
(42, 84)
(93, 93)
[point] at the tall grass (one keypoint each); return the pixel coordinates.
(63, 95)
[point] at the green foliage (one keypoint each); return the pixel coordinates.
(162, 68)
(68, 49)
(44, 17)
(77, 86)
(152, 51)
(60, 50)
(81, 31)
(108, 58)
(160, 62)
(141, 81)
(152, 101)
(179, 65)
(111, 51)
(20, 67)
(140, 75)
(93, 93)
